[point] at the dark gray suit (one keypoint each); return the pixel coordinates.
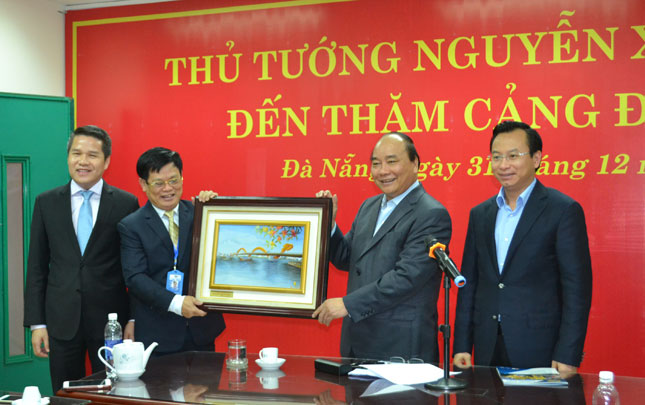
(147, 255)
(544, 291)
(70, 293)
(393, 285)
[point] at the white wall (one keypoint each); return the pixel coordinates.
(32, 47)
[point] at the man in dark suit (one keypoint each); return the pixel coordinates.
(74, 282)
(153, 252)
(390, 307)
(527, 262)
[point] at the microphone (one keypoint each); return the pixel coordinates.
(438, 252)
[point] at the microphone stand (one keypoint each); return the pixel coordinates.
(446, 383)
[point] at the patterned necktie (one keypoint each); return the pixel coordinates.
(84, 225)
(173, 229)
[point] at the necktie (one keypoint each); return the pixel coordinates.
(84, 225)
(173, 229)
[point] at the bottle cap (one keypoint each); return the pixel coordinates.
(113, 316)
(606, 376)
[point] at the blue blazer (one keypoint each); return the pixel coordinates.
(543, 293)
(147, 256)
(393, 285)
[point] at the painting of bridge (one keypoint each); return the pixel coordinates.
(259, 256)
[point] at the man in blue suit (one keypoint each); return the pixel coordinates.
(156, 259)
(390, 308)
(527, 262)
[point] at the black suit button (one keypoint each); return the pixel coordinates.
(494, 316)
(501, 285)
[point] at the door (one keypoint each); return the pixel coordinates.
(33, 158)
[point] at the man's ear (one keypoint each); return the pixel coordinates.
(537, 158)
(143, 184)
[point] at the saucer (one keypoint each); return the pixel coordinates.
(273, 365)
(129, 375)
(264, 373)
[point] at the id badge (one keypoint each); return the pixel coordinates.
(175, 281)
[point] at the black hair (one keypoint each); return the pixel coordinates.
(409, 146)
(94, 132)
(153, 160)
(533, 139)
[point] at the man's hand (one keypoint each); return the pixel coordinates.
(331, 309)
(189, 307)
(194, 393)
(40, 342)
(462, 360)
(128, 332)
(205, 195)
(334, 202)
(325, 398)
(565, 370)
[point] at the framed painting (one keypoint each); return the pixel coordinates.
(258, 255)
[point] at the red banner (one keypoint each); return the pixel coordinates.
(286, 98)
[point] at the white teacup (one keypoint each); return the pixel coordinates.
(270, 383)
(31, 395)
(269, 354)
(269, 379)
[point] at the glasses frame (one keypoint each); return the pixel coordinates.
(412, 360)
(162, 183)
(498, 159)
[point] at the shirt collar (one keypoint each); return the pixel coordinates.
(162, 213)
(521, 200)
(96, 189)
(396, 200)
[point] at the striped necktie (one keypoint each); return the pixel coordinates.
(173, 229)
(84, 225)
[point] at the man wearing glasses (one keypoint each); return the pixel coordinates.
(155, 252)
(527, 262)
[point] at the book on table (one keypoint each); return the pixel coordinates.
(533, 377)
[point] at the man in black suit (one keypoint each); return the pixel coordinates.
(154, 252)
(74, 282)
(391, 304)
(527, 262)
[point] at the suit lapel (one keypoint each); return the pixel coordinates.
(105, 208)
(403, 208)
(365, 225)
(185, 221)
(489, 229)
(67, 230)
(156, 225)
(532, 211)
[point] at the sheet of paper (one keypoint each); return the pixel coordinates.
(382, 387)
(401, 373)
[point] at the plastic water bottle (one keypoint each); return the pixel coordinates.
(113, 335)
(606, 393)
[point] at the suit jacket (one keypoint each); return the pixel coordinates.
(393, 285)
(544, 291)
(148, 255)
(62, 284)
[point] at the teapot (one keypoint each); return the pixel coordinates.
(131, 388)
(130, 358)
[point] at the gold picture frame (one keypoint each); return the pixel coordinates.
(261, 255)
